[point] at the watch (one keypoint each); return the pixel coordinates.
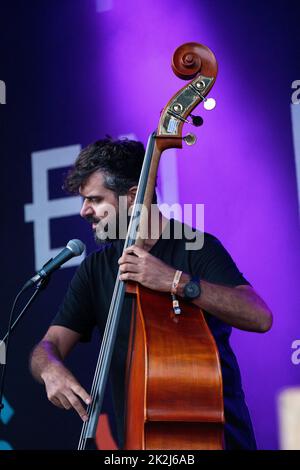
(192, 289)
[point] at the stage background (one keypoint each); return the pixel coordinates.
(77, 70)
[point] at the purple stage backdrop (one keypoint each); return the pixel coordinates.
(112, 59)
(242, 167)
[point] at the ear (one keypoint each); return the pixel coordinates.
(131, 195)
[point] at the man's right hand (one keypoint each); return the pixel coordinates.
(63, 390)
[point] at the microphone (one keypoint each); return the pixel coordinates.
(73, 248)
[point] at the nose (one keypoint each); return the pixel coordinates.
(86, 208)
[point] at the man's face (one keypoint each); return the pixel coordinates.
(100, 208)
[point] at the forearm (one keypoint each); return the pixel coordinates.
(44, 355)
(237, 306)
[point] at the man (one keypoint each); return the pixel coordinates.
(104, 171)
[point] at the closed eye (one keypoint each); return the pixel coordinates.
(93, 199)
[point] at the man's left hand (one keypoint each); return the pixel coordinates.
(140, 266)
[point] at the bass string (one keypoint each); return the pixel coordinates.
(119, 289)
(130, 239)
(101, 359)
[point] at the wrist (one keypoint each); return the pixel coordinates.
(182, 283)
(50, 369)
(189, 288)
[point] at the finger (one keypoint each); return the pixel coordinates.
(129, 277)
(136, 250)
(128, 258)
(129, 267)
(65, 403)
(76, 404)
(55, 401)
(82, 393)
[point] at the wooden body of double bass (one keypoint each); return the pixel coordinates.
(174, 381)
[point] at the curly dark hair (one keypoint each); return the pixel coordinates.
(120, 161)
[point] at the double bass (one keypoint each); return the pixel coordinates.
(174, 397)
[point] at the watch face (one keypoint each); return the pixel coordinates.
(192, 290)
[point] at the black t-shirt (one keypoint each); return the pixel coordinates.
(87, 302)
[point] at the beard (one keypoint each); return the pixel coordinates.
(108, 230)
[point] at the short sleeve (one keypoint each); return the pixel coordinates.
(76, 310)
(214, 264)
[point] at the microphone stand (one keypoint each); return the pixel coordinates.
(40, 281)
(11, 326)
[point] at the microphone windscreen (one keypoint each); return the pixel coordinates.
(76, 246)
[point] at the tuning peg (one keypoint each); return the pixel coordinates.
(197, 121)
(190, 139)
(209, 103)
